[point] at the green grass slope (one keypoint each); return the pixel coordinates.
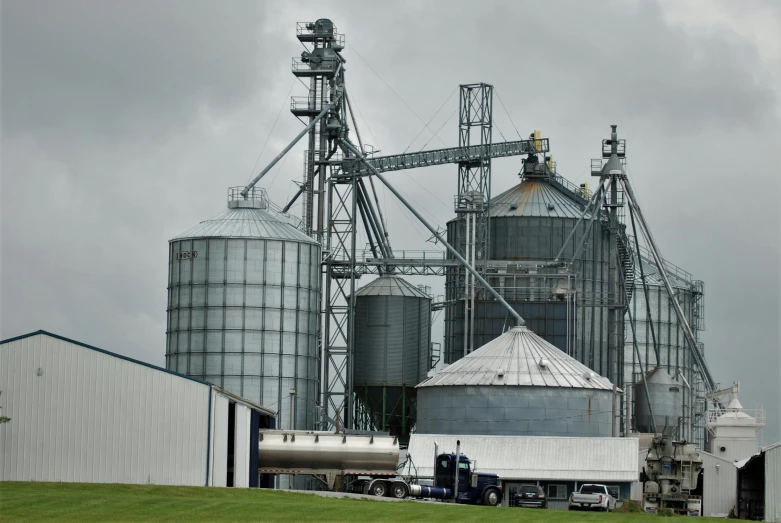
(97, 502)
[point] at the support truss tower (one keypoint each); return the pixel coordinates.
(474, 192)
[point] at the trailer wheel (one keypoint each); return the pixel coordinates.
(399, 490)
(491, 498)
(379, 489)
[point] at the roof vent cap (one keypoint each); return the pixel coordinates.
(543, 363)
(551, 206)
(588, 375)
(500, 373)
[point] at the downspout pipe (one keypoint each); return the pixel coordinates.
(306, 130)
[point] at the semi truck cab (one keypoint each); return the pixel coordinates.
(473, 487)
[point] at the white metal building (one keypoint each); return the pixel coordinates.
(719, 485)
(83, 414)
(773, 482)
(558, 464)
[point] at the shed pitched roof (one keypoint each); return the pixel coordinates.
(139, 362)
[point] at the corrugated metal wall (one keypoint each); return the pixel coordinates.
(66, 424)
(719, 492)
(514, 411)
(538, 239)
(773, 483)
(515, 458)
(242, 314)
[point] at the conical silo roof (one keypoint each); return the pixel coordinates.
(536, 197)
(243, 222)
(391, 285)
(518, 358)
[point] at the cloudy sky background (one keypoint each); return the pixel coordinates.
(124, 123)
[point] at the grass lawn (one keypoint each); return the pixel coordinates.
(96, 502)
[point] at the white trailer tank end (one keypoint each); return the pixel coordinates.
(310, 452)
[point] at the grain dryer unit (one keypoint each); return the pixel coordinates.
(670, 476)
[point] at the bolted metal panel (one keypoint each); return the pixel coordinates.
(513, 411)
(665, 395)
(391, 332)
(242, 309)
(392, 338)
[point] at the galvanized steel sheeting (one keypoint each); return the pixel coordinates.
(514, 411)
(665, 394)
(246, 223)
(390, 285)
(517, 354)
(773, 482)
(535, 198)
(87, 416)
(242, 312)
(392, 333)
(719, 489)
(535, 458)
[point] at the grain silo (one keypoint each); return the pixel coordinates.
(392, 340)
(571, 302)
(674, 354)
(243, 295)
(517, 384)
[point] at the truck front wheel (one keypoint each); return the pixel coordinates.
(399, 490)
(379, 489)
(491, 498)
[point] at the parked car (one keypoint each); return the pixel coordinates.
(531, 496)
(592, 497)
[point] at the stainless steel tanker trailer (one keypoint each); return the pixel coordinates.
(371, 462)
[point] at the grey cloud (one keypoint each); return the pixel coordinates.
(100, 67)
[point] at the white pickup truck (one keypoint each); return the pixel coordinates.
(592, 497)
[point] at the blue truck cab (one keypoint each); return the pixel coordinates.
(473, 487)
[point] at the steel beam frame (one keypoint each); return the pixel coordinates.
(475, 125)
(339, 278)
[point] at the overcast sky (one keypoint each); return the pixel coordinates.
(123, 124)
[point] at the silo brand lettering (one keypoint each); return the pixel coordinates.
(186, 255)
